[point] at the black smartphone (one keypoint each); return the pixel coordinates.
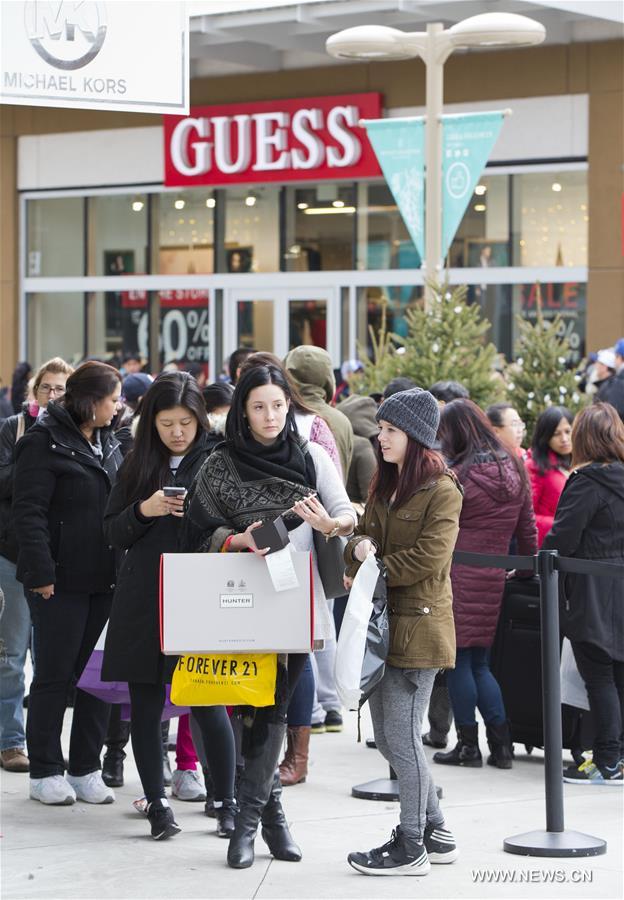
(173, 490)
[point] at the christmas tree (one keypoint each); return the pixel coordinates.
(538, 378)
(444, 342)
(382, 366)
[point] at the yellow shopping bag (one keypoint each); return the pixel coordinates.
(241, 679)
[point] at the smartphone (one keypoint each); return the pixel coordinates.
(174, 491)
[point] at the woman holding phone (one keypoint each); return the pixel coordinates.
(264, 469)
(144, 518)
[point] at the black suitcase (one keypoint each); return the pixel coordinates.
(517, 666)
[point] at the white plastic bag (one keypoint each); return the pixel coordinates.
(352, 638)
(573, 690)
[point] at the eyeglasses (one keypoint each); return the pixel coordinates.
(518, 426)
(51, 389)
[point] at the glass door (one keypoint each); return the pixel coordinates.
(278, 320)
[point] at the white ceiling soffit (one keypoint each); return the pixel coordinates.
(241, 36)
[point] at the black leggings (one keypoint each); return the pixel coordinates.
(148, 701)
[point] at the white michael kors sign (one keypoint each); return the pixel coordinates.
(122, 54)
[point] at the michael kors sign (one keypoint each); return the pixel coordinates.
(118, 55)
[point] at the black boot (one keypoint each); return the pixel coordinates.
(253, 795)
(466, 751)
(275, 831)
(113, 768)
(499, 742)
(226, 818)
(164, 733)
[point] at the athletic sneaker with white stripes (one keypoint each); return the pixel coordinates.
(440, 845)
(399, 856)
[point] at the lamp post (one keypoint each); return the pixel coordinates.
(434, 46)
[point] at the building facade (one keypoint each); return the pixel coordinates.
(108, 247)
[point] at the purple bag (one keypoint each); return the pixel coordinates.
(117, 691)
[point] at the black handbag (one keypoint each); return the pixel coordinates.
(331, 564)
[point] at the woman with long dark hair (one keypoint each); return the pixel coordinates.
(65, 467)
(410, 522)
(318, 671)
(589, 524)
(497, 507)
(548, 464)
(265, 469)
(169, 448)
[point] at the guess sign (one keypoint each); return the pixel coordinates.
(313, 138)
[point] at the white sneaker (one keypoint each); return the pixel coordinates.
(187, 784)
(54, 790)
(91, 788)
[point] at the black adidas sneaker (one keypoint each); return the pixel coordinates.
(440, 845)
(399, 856)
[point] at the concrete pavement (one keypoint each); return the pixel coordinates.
(84, 851)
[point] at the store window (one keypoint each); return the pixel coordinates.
(383, 241)
(55, 327)
(370, 306)
(567, 300)
(550, 219)
(185, 232)
(123, 327)
(482, 239)
(320, 227)
(252, 229)
(55, 228)
(118, 239)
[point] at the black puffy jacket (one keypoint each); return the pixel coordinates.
(8, 440)
(60, 493)
(589, 524)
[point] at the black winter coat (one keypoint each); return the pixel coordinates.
(589, 524)
(132, 649)
(8, 434)
(60, 493)
(612, 391)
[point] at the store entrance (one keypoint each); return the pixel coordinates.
(280, 319)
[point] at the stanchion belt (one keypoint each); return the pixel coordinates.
(529, 563)
(589, 567)
(494, 560)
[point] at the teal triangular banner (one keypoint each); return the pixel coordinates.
(399, 145)
(467, 143)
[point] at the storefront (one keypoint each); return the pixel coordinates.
(269, 225)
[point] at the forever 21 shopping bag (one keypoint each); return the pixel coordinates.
(358, 666)
(242, 679)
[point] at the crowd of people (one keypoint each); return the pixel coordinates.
(102, 471)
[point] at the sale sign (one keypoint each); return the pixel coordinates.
(313, 138)
(184, 325)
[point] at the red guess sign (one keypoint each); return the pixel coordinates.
(313, 138)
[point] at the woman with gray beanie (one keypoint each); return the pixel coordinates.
(410, 523)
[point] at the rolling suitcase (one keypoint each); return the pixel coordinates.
(517, 666)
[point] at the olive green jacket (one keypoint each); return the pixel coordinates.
(415, 544)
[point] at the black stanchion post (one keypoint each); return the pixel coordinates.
(555, 841)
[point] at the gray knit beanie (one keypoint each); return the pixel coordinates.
(416, 412)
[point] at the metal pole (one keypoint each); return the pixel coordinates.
(554, 841)
(433, 154)
(549, 618)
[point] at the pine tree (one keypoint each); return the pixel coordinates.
(381, 368)
(538, 378)
(444, 342)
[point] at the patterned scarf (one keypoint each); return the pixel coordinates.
(240, 485)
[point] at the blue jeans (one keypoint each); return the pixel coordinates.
(302, 698)
(15, 630)
(471, 685)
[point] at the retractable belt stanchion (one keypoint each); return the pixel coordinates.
(554, 841)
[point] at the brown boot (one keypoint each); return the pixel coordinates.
(294, 768)
(14, 760)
